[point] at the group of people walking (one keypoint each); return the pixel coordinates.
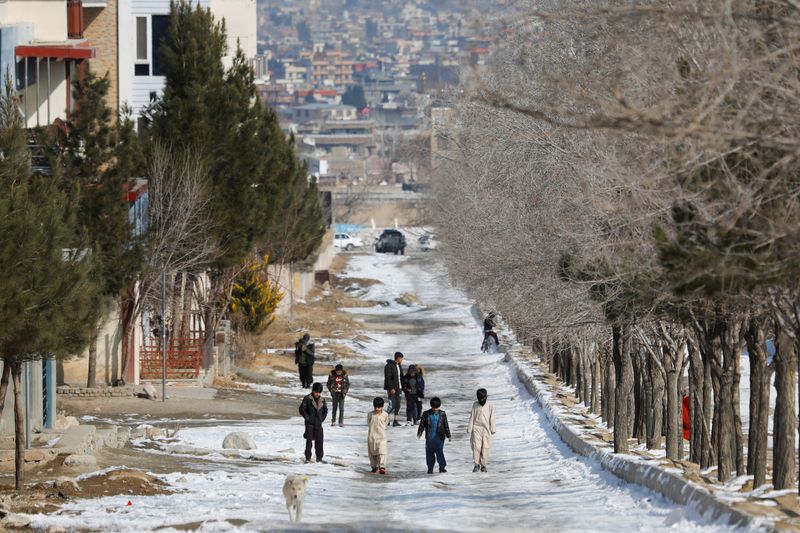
(433, 423)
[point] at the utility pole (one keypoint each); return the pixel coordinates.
(163, 335)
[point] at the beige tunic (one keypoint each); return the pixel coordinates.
(481, 427)
(377, 442)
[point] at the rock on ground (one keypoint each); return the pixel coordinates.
(408, 299)
(239, 440)
(80, 460)
(149, 392)
(66, 422)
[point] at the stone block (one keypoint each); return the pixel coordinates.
(80, 460)
(239, 440)
(77, 440)
(34, 456)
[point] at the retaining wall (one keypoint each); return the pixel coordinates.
(628, 468)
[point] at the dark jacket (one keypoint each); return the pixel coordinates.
(304, 353)
(312, 415)
(488, 324)
(390, 378)
(414, 384)
(345, 381)
(425, 424)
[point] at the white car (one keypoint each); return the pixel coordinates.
(427, 243)
(347, 242)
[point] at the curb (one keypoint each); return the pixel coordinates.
(674, 488)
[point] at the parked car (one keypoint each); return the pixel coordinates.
(346, 241)
(427, 243)
(391, 241)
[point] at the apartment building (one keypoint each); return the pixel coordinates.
(42, 46)
(142, 26)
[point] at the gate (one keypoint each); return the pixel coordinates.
(184, 357)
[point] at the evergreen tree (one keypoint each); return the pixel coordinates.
(99, 158)
(47, 293)
(354, 96)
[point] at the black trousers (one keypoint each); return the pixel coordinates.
(306, 375)
(314, 437)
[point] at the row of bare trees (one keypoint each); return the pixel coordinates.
(623, 187)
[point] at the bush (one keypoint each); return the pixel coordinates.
(254, 297)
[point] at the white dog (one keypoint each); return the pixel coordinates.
(294, 490)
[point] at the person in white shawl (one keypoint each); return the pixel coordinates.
(481, 427)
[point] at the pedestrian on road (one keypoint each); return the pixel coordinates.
(393, 383)
(304, 359)
(481, 427)
(434, 424)
(377, 443)
(338, 385)
(414, 389)
(314, 411)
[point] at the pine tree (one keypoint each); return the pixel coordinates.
(47, 293)
(98, 160)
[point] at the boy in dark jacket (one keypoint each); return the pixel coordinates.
(434, 424)
(338, 385)
(314, 411)
(414, 388)
(393, 384)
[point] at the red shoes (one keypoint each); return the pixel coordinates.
(382, 471)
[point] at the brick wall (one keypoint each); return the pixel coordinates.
(100, 28)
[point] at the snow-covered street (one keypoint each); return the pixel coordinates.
(534, 482)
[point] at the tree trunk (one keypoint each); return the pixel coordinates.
(596, 380)
(609, 390)
(91, 380)
(732, 343)
(624, 384)
(699, 408)
(657, 416)
(759, 403)
(638, 397)
(19, 426)
(709, 396)
(783, 453)
(4, 386)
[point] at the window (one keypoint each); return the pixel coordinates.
(160, 26)
(142, 64)
(150, 33)
(141, 38)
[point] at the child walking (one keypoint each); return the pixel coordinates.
(434, 424)
(414, 387)
(377, 444)
(338, 385)
(481, 426)
(314, 410)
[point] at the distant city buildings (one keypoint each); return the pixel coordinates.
(359, 81)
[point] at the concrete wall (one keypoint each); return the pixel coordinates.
(100, 28)
(296, 284)
(241, 25)
(49, 17)
(74, 371)
(36, 400)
